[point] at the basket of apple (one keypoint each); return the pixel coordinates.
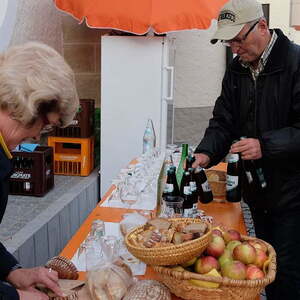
(232, 267)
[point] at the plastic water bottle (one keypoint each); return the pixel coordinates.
(149, 138)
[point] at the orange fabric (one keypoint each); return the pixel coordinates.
(137, 16)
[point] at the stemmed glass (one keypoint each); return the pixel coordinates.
(129, 193)
(115, 196)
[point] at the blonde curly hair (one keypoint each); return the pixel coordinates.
(34, 80)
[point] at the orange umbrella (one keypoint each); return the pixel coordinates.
(138, 16)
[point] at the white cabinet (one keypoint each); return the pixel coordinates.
(134, 73)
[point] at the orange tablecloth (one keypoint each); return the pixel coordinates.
(228, 214)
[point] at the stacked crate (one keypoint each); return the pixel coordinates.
(32, 172)
(73, 146)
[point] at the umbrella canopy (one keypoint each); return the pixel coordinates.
(139, 16)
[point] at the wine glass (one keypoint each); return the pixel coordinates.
(129, 192)
(115, 196)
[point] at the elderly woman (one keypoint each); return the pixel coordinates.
(37, 90)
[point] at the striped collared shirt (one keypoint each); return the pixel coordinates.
(263, 59)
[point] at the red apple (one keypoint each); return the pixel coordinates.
(205, 264)
(231, 235)
(261, 257)
(234, 270)
(225, 257)
(232, 244)
(244, 253)
(258, 245)
(217, 232)
(216, 246)
(253, 272)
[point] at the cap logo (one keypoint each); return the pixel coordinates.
(227, 15)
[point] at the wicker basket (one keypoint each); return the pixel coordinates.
(171, 255)
(229, 289)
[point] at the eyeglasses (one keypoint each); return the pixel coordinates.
(239, 41)
(47, 127)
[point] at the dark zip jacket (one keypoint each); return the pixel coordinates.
(268, 110)
(7, 261)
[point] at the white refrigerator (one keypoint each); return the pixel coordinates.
(136, 84)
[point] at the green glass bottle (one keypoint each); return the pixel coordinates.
(180, 168)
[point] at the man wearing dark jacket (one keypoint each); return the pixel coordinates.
(260, 99)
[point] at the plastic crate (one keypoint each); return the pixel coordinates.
(83, 123)
(72, 156)
(32, 172)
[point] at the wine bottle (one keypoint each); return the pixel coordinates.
(204, 190)
(185, 192)
(189, 162)
(254, 173)
(171, 186)
(180, 169)
(233, 187)
(194, 191)
(149, 138)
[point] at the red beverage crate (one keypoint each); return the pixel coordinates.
(32, 172)
(83, 123)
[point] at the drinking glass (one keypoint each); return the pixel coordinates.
(115, 196)
(89, 253)
(110, 245)
(129, 192)
(98, 229)
(172, 207)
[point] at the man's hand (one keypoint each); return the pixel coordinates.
(202, 160)
(249, 148)
(24, 279)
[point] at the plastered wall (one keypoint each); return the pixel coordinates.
(199, 70)
(38, 20)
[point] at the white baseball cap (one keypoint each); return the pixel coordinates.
(233, 16)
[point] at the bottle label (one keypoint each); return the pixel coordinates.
(20, 175)
(261, 177)
(187, 190)
(188, 213)
(249, 176)
(232, 157)
(27, 186)
(169, 188)
(231, 182)
(193, 186)
(205, 186)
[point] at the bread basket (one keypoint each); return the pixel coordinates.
(229, 289)
(171, 255)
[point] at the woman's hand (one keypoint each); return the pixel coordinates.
(32, 294)
(23, 279)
